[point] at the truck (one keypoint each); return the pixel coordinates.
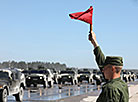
(43, 77)
(69, 76)
(85, 75)
(12, 82)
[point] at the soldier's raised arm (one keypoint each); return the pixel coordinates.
(99, 56)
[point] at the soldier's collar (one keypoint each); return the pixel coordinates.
(116, 79)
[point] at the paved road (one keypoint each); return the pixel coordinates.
(84, 93)
(40, 94)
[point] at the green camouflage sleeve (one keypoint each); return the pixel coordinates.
(99, 56)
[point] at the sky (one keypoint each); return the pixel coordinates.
(41, 30)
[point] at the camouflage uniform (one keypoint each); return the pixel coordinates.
(114, 90)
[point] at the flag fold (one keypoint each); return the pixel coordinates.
(83, 16)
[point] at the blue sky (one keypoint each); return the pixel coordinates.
(41, 30)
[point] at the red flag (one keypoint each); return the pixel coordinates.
(83, 16)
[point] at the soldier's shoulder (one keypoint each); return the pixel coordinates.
(116, 84)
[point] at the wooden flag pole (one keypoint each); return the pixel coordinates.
(91, 28)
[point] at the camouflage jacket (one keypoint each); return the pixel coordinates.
(114, 90)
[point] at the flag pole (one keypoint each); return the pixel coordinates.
(91, 28)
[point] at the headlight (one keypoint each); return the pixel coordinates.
(41, 78)
(29, 77)
(1, 87)
(69, 76)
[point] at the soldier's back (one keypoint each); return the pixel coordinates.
(115, 90)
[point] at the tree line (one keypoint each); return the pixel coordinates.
(32, 65)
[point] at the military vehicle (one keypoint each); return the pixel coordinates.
(67, 76)
(50, 77)
(12, 82)
(131, 76)
(125, 76)
(97, 77)
(85, 75)
(55, 74)
(43, 77)
(26, 72)
(36, 77)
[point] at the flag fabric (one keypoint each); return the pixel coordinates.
(83, 16)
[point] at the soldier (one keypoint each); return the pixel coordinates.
(114, 90)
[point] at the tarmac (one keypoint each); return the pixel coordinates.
(92, 96)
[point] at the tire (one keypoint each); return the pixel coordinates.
(50, 84)
(91, 80)
(59, 81)
(76, 82)
(45, 84)
(98, 82)
(129, 78)
(3, 95)
(125, 79)
(133, 78)
(63, 82)
(88, 81)
(72, 82)
(19, 96)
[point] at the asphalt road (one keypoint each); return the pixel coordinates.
(55, 94)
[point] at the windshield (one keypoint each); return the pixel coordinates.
(67, 72)
(4, 74)
(82, 72)
(39, 72)
(43, 72)
(34, 72)
(124, 73)
(99, 72)
(25, 71)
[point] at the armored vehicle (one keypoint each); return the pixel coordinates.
(97, 77)
(85, 75)
(50, 77)
(26, 72)
(12, 82)
(43, 77)
(125, 76)
(55, 74)
(67, 76)
(36, 77)
(132, 76)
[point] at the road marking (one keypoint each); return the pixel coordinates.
(90, 99)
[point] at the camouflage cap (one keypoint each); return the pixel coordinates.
(114, 60)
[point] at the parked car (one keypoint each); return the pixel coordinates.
(12, 82)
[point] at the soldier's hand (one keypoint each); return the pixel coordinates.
(92, 38)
